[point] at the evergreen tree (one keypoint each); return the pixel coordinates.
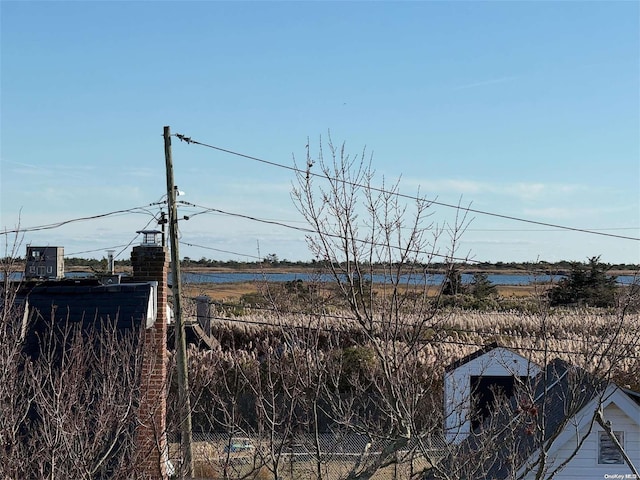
(481, 286)
(586, 285)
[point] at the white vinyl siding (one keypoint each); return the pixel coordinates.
(585, 465)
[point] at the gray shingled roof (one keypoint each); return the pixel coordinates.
(471, 356)
(123, 306)
(568, 390)
(74, 303)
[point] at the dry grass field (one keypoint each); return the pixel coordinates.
(232, 292)
(598, 340)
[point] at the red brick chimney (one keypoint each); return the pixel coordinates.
(150, 263)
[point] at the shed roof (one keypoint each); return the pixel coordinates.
(472, 356)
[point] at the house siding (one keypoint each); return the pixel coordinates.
(584, 465)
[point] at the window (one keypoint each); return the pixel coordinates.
(35, 254)
(608, 453)
(49, 269)
(32, 269)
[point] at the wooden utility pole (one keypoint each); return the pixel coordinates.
(179, 334)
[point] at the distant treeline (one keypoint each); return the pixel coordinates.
(273, 261)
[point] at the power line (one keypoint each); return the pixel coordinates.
(544, 229)
(434, 341)
(93, 217)
(124, 247)
(246, 217)
(95, 250)
(133, 239)
(469, 229)
(220, 250)
(310, 231)
(51, 226)
(334, 316)
(401, 195)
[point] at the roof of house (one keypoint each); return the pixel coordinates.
(125, 303)
(635, 396)
(472, 356)
(561, 391)
(121, 306)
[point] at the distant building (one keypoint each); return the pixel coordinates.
(44, 262)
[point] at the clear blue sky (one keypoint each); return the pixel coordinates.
(525, 109)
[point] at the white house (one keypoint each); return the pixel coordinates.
(588, 445)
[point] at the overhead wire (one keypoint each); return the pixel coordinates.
(113, 247)
(74, 220)
(245, 321)
(468, 229)
(189, 140)
(182, 242)
(143, 209)
(335, 316)
(50, 226)
(311, 231)
(133, 239)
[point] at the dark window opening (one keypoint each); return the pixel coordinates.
(483, 394)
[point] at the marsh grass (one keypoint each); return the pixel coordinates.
(233, 292)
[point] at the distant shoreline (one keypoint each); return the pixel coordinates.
(306, 270)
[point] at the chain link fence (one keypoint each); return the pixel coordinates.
(325, 456)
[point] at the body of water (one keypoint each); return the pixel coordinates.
(435, 279)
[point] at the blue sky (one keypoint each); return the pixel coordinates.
(524, 109)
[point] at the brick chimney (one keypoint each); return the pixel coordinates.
(150, 263)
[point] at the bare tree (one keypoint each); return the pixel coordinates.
(15, 401)
(361, 233)
(69, 402)
(70, 392)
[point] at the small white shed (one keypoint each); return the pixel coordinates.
(470, 381)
